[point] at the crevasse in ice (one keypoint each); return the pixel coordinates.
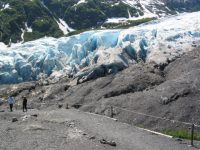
(113, 50)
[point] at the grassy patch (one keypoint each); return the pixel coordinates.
(128, 24)
(77, 32)
(182, 133)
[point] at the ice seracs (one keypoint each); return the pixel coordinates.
(100, 52)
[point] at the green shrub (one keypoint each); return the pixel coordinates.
(182, 133)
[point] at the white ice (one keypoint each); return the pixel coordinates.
(156, 42)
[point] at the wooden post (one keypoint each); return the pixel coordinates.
(111, 111)
(192, 135)
(67, 106)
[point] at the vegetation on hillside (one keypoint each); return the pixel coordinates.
(42, 17)
(19, 12)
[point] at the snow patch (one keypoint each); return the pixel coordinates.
(64, 26)
(80, 2)
(116, 20)
(131, 2)
(115, 4)
(22, 35)
(28, 29)
(5, 6)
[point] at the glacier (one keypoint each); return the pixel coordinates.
(100, 51)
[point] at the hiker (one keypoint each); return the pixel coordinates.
(11, 102)
(24, 103)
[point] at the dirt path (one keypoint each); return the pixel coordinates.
(74, 130)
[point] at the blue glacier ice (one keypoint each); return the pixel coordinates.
(102, 51)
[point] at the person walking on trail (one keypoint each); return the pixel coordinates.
(24, 103)
(11, 102)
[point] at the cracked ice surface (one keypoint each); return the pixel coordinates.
(157, 42)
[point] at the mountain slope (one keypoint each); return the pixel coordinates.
(28, 20)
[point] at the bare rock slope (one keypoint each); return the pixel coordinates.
(170, 91)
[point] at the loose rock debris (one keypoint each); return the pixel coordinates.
(111, 143)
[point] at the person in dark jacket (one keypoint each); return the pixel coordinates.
(24, 103)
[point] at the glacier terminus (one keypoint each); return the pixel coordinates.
(100, 51)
